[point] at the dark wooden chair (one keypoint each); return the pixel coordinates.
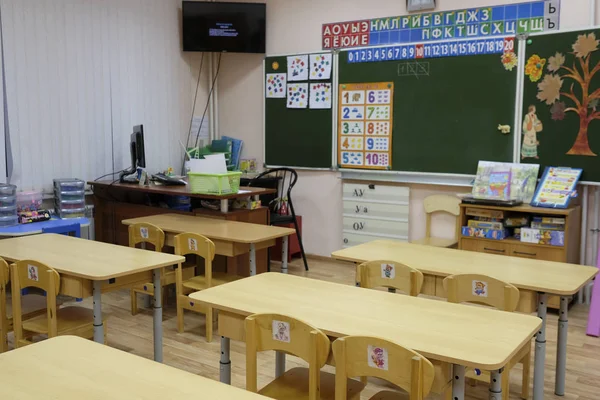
(286, 178)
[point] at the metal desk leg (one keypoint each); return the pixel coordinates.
(225, 362)
(458, 383)
(279, 363)
(540, 349)
(158, 329)
(496, 385)
(98, 325)
(224, 206)
(561, 350)
(285, 243)
(252, 259)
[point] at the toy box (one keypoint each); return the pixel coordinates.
(516, 221)
(484, 224)
(478, 212)
(542, 236)
(548, 227)
(496, 234)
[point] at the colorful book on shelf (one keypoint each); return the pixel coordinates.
(505, 181)
(556, 188)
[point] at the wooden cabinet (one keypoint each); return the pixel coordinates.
(374, 210)
(568, 253)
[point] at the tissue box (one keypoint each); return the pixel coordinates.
(246, 204)
(542, 236)
(497, 234)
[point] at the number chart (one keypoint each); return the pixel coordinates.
(365, 125)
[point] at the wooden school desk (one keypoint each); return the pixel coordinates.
(475, 337)
(537, 276)
(71, 368)
(89, 268)
(231, 238)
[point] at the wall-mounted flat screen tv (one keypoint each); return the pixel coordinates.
(219, 27)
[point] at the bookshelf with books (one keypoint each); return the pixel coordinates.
(549, 234)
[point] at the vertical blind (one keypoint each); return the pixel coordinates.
(80, 74)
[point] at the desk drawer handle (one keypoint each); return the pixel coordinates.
(494, 250)
(526, 254)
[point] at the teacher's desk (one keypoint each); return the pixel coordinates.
(114, 202)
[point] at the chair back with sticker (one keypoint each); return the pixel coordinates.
(363, 356)
(146, 233)
(30, 273)
(481, 289)
(390, 274)
(201, 246)
(282, 333)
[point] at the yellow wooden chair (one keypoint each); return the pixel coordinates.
(144, 233)
(4, 329)
(282, 333)
(439, 203)
(76, 321)
(201, 246)
(362, 356)
(485, 290)
(392, 275)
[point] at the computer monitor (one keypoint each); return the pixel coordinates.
(137, 152)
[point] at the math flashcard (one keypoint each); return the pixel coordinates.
(320, 66)
(297, 95)
(320, 95)
(275, 86)
(365, 125)
(297, 68)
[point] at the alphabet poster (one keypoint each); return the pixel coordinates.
(297, 68)
(320, 66)
(297, 95)
(320, 95)
(365, 125)
(275, 86)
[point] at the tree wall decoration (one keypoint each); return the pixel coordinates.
(552, 93)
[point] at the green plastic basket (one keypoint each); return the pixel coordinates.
(214, 183)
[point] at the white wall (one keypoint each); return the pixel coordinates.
(294, 26)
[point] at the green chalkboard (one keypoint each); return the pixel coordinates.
(296, 137)
(446, 110)
(559, 68)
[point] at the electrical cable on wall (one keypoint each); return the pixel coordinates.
(208, 99)
(187, 141)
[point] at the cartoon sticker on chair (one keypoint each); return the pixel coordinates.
(479, 288)
(377, 357)
(388, 271)
(193, 244)
(281, 331)
(144, 233)
(32, 273)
